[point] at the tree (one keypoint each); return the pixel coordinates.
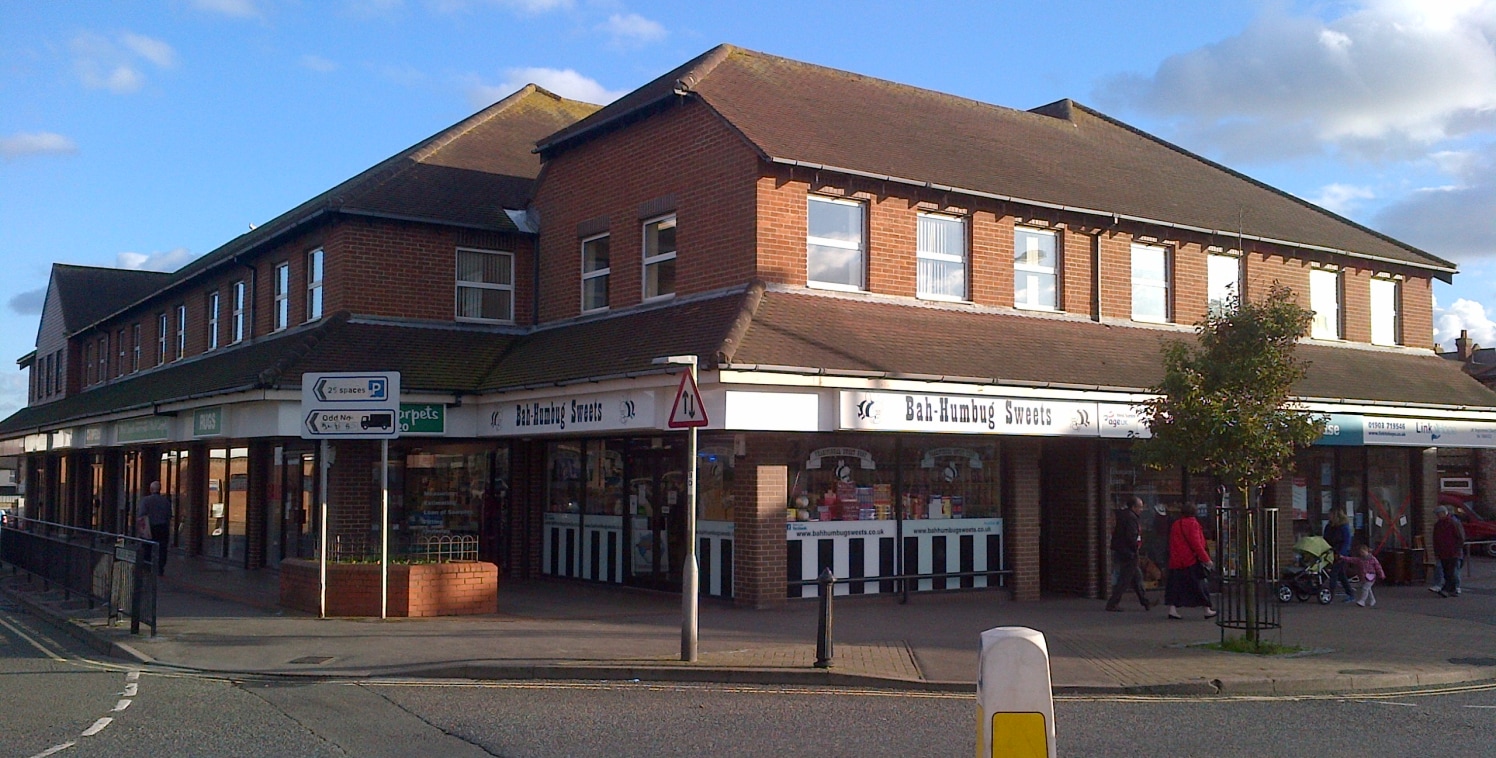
(1225, 406)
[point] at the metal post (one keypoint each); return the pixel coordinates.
(322, 467)
(827, 583)
(384, 528)
(691, 579)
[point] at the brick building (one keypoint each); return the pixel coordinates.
(922, 322)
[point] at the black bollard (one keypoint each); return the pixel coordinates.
(827, 581)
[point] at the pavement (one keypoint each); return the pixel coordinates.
(225, 621)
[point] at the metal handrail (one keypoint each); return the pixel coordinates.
(101, 567)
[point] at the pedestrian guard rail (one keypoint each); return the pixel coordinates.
(99, 568)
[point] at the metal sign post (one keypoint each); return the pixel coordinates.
(357, 405)
(689, 413)
(324, 461)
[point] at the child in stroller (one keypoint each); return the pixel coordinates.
(1311, 578)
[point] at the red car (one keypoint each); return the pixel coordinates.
(1477, 528)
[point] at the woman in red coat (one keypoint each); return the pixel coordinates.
(1188, 562)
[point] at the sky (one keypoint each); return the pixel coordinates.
(145, 134)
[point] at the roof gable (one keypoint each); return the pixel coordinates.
(82, 295)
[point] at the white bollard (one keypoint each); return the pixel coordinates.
(1015, 703)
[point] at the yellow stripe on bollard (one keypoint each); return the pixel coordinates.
(1019, 735)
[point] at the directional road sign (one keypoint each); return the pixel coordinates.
(350, 405)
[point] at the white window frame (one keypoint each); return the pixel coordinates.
(467, 284)
(104, 357)
(934, 257)
(603, 273)
(656, 259)
(213, 320)
(88, 364)
(1326, 299)
(119, 368)
(282, 302)
(163, 329)
(1036, 271)
(181, 332)
(1386, 319)
(315, 271)
(861, 247)
(135, 355)
(239, 295)
(1152, 284)
(1217, 293)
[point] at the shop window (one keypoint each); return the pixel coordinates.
(1384, 311)
(485, 285)
(212, 319)
(835, 257)
(314, 285)
(1035, 263)
(445, 496)
(1223, 281)
(595, 272)
(1388, 498)
(1324, 299)
(1162, 492)
(604, 470)
(659, 258)
(228, 503)
(282, 306)
(715, 462)
(1150, 283)
(940, 253)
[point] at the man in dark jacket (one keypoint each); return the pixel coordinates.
(1449, 545)
(1127, 538)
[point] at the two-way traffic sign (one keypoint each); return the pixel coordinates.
(687, 411)
(350, 405)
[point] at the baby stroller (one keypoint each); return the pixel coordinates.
(1311, 578)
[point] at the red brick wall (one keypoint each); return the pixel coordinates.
(1115, 253)
(760, 496)
(1021, 520)
(1072, 518)
(687, 152)
(1418, 312)
(1078, 292)
(1190, 286)
(414, 590)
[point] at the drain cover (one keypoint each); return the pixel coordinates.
(1473, 661)
(313, 659)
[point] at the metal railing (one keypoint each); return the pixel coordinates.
(1247, 563)
(115, 570)
(444, 548)
(902, 582)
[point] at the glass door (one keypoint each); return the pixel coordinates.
(655, 528)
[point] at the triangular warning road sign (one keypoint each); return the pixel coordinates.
(687, 410)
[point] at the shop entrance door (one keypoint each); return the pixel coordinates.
(656, 524)
(298, 519)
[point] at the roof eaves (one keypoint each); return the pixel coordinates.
(1444, 267)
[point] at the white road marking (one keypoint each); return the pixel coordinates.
(39, 646)
(133, 675)
(1386, 702)
(1480, 706)
(121, 705)
(54, 750)
(131, 689)
(98, 726)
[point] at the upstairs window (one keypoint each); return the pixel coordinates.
(212, 319)
(485, 285)
(119, 365)
(1384, 311)
(834, 254)
(595, 271)
(1324, 299)
(104, 357)
(162, 327)
(1150, 283)
(314, 285)
(1035, 263)
(282, 295)
(1222, 281)
(181, 332)
(88, 363)
(237, 327)
(135, 356)
(659, 258)
(940, 257)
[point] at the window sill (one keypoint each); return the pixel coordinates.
(1041, 308)
(1146, 320)
(834, 286)
(475, 320)
(658, 298)
(941, 298)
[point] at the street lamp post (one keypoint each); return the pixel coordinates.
(688, 412)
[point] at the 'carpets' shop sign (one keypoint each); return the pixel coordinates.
(600, 412)
(966, 414)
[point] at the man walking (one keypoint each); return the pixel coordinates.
(1127, 539)
(1449, 545)
(155, 514)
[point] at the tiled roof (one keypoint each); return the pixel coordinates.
(1063, 154)
(842, 334)
(87, 293)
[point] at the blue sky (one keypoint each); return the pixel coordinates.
(144, 134)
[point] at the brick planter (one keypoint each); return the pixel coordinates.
(421, 589)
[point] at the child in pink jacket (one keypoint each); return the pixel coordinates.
(1371, 572)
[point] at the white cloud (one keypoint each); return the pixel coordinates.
(318, 63)
(168, 260)
(564, 82)
(1456, 221)
(1341, 198)
(1387, 78)
(1464, 315)
(113, 65)
(632, 30)
(231, 8)
(28, 303)
(35, 143)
